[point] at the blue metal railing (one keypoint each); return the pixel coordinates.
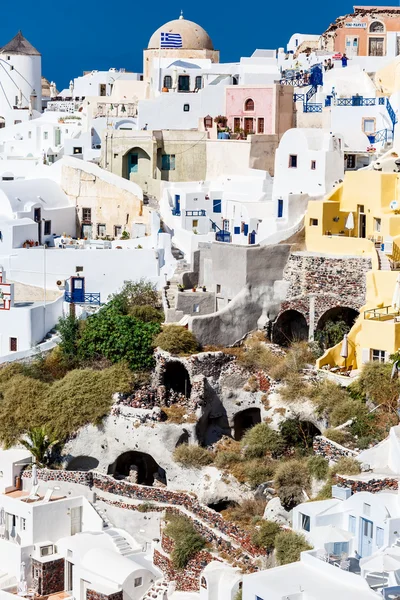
(311, 92)
(176, 212)
(355, 101)
(391, 112)
(195, 213)
(298, 97)
(381, 101)
(379, 136)
(76, 298)
(295, 81)
(312, 108)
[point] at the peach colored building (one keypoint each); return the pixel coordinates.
(259, 108)
(368, 31)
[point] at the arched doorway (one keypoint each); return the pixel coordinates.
(136, 164)
(176, 381)
(290, 326)
(137, 467)
(243, 420)
(333, 325)
(83, 463)
(298, 433)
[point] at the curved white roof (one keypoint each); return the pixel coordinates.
(110, 565)
(193, 36)
(20, 194)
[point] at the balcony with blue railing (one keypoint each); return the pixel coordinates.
(222, 236)
(176, 212)
(356, 101)
(312, 108)
(78, 298)
(195, 213)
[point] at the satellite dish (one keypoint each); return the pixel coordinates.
(394, 204)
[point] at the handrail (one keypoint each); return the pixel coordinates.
(75, 298)
(377, 315)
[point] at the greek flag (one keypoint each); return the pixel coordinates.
(171, 40)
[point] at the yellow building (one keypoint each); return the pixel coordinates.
(361, 216)
(372, 198)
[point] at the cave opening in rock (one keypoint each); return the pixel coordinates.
(177, 380)
(290, 326)
(244, 420)
(137, 467)
(221, 505)
(83, 463)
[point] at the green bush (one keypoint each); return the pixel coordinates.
(289, 545)
(68, 330)
(265, 534)
(261, 439)
(135, 293)
(295, 388)
(83, 396)
(256, 474)
(326, 396)
(192, 456)
(332, 333)
(346, 466)
(337, 435)
(258, 357)
(376, 384)
(187, 542)
(297, 433)
(291, 479)
(147, 314)
(226, 458)
(245, 514)
(318, 467)
(118, 337)
(177, 340)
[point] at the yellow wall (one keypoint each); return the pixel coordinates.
(365, 333)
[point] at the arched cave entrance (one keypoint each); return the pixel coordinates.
(243, 420)
(221, 505)
(338, 313)
(83, 463)
(290, 326)
(176, 381)
(298, 433)
(333, 324)
(137, 467)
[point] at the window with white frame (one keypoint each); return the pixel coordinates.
(378, 355)
(367, 509)
(196, 308)
(305, 522)
(138, 582)
(22, 524)
(377, 224)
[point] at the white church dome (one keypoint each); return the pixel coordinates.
(194, 37)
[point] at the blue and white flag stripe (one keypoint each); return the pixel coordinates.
(171, 40)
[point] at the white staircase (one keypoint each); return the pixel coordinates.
(121, 544)
(384, 263)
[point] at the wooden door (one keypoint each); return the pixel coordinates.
(248, 124)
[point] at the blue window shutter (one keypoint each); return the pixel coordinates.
(245, 229)
(217, 206)
(236, 230)
(172, 162)
(165, 162)
(280, 208)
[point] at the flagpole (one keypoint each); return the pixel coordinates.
(159, 67)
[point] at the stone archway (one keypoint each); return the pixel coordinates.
(338, 313)
(137, 467)
(290, 326)
(83, 463)
(176, 380)
(136, 164)
(244, 420)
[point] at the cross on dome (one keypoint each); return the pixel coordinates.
(181, 17)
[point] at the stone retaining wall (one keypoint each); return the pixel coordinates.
(82, 477)
(187, 579)
(373, 485)
(331, 450)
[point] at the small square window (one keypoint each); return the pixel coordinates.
(377, 225)
(138, 582)
(218, 289)
(13, 344)
(367, 509)
(378, 355)
(313, 165)
(195, 223)
(186, 107)
(305, 522)
(22, 524)
(101, 230)
(196, 308)
(292, 161)
(117, 230)
(29, 135)
(313, 222)
(45, 135)
(168, 162)
(115, 155)
(77, 150)
(86, 214)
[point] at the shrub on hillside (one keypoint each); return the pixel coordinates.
(260, 440)
(318, 467)
(291, 480)
(296, 433)
(265, 534)
(147, 314)
(118, 337)
(192, 456)
(346, 466)
(187, 542)
(326, 395)
(136, 293)
(289, 545)
(244, 514)
(177, 340)
(258, 357)
(337, 435)
(258, 472)
(376, 384)
(83, 396)
(295, 388)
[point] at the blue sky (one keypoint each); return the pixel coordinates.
(88, 35)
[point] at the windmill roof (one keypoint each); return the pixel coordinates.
(20, 45)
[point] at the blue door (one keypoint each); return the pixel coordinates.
(177, 209)
(366, 533)
(78, 289)
(280, 208)
(133, 163)
(252, 237)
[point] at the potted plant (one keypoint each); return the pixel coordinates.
(193, 289)
(204, 288)
(181, 287)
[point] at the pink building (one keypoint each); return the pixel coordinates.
(259, 108)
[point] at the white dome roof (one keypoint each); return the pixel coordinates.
(194, 37)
